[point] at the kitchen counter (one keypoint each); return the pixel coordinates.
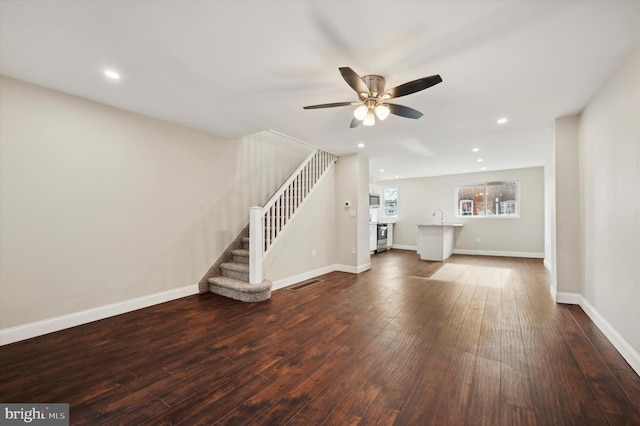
(435, 240)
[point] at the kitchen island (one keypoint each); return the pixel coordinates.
(435, 240)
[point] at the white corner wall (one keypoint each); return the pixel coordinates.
(609, 219)
(101, 207)
(523, 236)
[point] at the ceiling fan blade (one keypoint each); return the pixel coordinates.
(333, 105)
(355, 123)
(414, 86)
(353, 80)
(404, 111)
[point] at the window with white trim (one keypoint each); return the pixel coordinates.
(390, 196)
(488, 199)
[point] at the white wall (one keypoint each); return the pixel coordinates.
(609, 156)
(419, 197)
(101, 206)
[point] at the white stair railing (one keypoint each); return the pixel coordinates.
(268, 222)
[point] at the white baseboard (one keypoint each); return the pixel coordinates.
(534, 255)
(403, 247)
(568, 298)
(528, 254)
(39, 328)
(547, 265)
(352, 269)
(626, 350)
(286, 282)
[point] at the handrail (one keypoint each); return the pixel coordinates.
(286, 184)
(267, 223)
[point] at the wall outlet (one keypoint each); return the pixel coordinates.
(477, 239)
(353, 250)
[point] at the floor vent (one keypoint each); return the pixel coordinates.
(305, 284)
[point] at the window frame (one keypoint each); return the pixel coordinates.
(384, 203)
(457, 205)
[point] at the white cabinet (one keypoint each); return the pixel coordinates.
(389, 235)
(373, 237)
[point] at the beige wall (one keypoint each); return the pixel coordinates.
(609, 156)
(320, 237)
(567, 272)
(100, 206)
(352, 224)
(310, 239)
(418, 198)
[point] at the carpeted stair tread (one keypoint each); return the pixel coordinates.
(240, 285)
(240, 290)
(240, 255)
(235, 266)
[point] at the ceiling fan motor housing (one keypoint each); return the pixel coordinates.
(375, 83)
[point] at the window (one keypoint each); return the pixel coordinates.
(390, 194)
(488, 199)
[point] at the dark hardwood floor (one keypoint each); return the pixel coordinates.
(474, 340)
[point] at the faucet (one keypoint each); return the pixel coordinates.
(441, 215)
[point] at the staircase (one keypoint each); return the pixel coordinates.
(238, 272)
(234, 281)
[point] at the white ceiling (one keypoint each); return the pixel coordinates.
(232, 68)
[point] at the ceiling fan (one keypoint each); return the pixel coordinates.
(373, 97)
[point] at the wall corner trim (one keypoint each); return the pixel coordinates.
(626, 350)
(568, 298)
(553, 292)
(39, 328)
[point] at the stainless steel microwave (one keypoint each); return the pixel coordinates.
(374, 200)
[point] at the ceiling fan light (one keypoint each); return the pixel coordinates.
(382, 111)
(360, 112)
(369, 119)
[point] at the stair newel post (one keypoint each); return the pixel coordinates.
(256, 244)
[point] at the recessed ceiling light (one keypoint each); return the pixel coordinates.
(475, 150)
(360, 145)
(113, 75)
(397, 176)
(381, 170)
(502, 120)
(480, 160)
(483, 168)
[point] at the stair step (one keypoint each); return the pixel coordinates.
(240, 255)
(240, 290)
(238, 271)
(245, 243)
